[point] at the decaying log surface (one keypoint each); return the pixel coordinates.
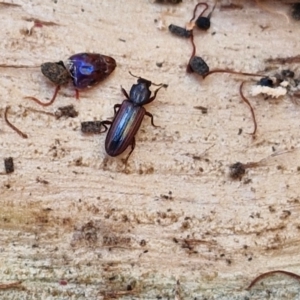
(76, 224)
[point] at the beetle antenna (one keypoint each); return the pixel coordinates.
(161, 84)
(133, 75)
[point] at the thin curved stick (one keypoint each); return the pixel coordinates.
(47, 103)
(18, 131)
(6, 286)
(232, 72)
(258, 3)
(251, 108)
(188, 67)
(261, 276)
(195, 9)
(193, 45)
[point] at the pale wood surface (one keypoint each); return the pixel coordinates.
(88, 224)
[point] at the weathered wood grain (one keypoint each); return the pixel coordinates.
(76, 224)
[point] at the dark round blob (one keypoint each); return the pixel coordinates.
(296, 11)
(203, 23)
(266, 81)
(287, 73)
(198, 65)
(179, 31)
(237, 170)
(56, 72)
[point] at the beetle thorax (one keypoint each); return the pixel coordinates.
(139, 93)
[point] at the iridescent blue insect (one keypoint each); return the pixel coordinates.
(127, 120)
(88, 69)
(84, 69)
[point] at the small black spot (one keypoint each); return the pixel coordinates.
(237, 170)
(143, 243)
(202, 108)
(266, 81)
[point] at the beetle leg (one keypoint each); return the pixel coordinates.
(124, 93)
(132, 148)
(104, 123)
(155, 93)
(117, 106)
(151, 116)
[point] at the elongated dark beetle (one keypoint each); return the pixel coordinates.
(128, 118)
(85, 70)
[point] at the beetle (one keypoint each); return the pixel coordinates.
(84, 69)
(128, 118)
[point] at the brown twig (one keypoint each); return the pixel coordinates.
(231, 6)
(284, 60)
(18, 131)
(47, 103)
(261, 276)
(17, 66)
(41, 112)
(6, 286)
(40, 23)
(232, 72)
(188, 67)
(9, 4)
(251, 108)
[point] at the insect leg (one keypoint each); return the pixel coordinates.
(132, 148)
(151, 116)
